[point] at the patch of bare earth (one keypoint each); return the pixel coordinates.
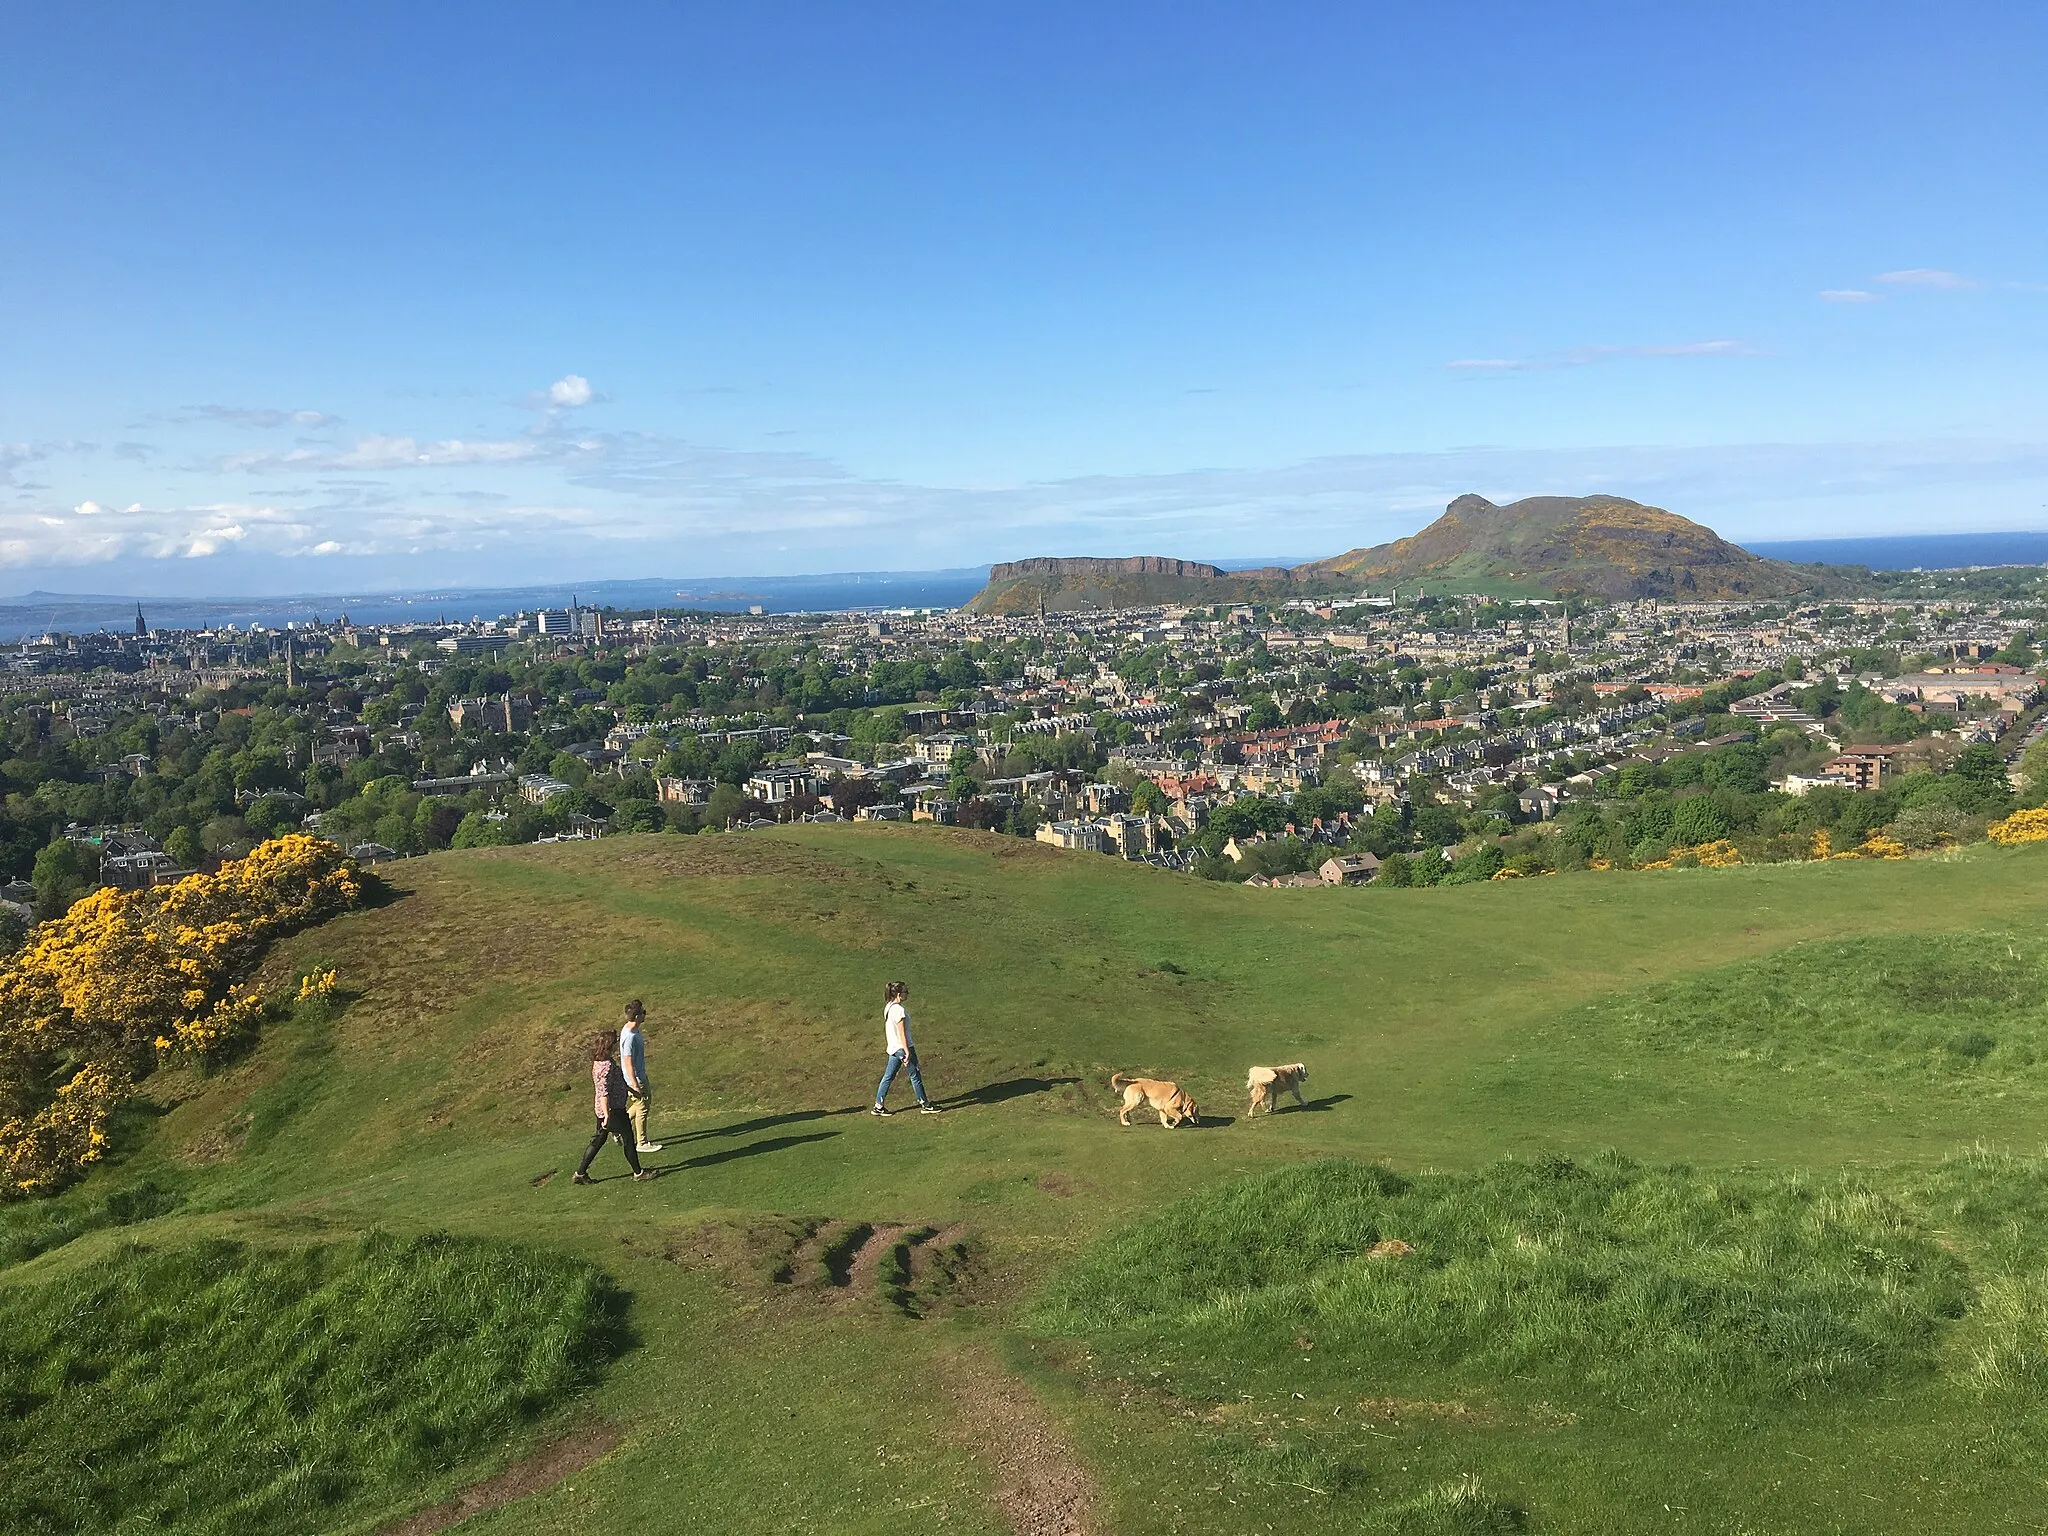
(1037, 1481)
(536, 1474)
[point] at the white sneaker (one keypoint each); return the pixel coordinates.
(648, 1146)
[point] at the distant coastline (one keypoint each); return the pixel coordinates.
(848, 591)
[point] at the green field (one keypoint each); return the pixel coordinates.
(1717, 1191)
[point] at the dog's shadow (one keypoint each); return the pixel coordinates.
(1327, 1102)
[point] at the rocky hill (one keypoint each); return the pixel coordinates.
(1081, 584)
(1597, 546)
(1592, 546)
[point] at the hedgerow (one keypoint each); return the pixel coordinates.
(124, 978)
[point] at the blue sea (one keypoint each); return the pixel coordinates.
(1915, 552)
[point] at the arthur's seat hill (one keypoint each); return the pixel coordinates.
(1596, 547)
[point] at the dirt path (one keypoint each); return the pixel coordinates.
(534, 1475)
(1037, 1481)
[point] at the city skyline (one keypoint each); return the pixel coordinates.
(293, 309)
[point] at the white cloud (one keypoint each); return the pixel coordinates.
(1848, 296)
(570, 390)
(1926, 277)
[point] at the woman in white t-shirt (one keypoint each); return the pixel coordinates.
(896, 1039)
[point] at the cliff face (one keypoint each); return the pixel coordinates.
(1082, 584)
(1086, 568)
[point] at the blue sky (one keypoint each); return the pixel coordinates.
(305, 298)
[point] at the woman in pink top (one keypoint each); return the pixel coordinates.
(610, 1101)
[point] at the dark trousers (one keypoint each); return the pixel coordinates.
(618, 1126)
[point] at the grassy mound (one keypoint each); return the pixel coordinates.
(1926, 1009)
(1606, 1280)
(227, 1388)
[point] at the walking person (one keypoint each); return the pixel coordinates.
(610, 1084)
(633, 1063)
(896, 1038)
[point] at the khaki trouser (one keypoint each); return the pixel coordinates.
(636, 1111)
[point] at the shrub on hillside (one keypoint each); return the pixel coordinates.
(122, 977)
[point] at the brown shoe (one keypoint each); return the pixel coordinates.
(581, 1178)
(647, 1173)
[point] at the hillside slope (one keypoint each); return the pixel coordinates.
(1444, 1028)
(1596, 546)
(1605, 547)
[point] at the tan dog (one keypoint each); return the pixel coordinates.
(1171, 1104)
(1268, 1083)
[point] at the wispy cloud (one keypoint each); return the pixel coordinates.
(1849, 296)
(1926, 277)
(1580, 357)
(263, 416)
(14, 455)
(385, 454)
(657, 501)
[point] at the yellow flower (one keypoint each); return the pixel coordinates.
(2029, 826)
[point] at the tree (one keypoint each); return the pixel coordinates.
(1981, 773)
(64, 872)
(1699, 819)
(1148, 799)
(184, 848)
(725, 806)
(477, 831)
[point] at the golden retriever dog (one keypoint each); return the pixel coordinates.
(1171, 1105)
(1266, 1084)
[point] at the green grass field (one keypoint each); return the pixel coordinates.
(1719, 1187)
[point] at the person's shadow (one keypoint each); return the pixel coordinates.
(751, 1149)
(759, 1123)
(998, 1093)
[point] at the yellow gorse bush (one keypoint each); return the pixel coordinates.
(2030, 826)
(1720, 854)
(317, 984)
(125, 975)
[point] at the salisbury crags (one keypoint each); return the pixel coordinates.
(1605, 547)
(1067, 585)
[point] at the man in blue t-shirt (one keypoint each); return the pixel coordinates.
(633, 1061)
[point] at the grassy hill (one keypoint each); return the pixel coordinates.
(1595, 546)
(1600, 547)
(838, 1322)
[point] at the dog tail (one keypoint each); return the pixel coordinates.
(1117, 1080)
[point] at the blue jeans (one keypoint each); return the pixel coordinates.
(896, 1061)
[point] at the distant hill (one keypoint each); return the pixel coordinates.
(1596, 546)
(1084, 583)
(1592, 546)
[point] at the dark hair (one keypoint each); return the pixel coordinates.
(636, 1010)
(604, 1045)
(894, 991)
